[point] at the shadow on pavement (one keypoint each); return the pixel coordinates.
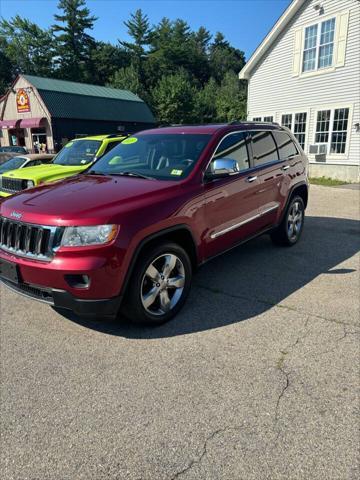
(249, 280)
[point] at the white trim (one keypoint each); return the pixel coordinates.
(332, 108)
(270, 37)
(317, 70)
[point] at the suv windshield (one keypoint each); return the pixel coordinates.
(12, 164)
(77, 152)
(159, 156)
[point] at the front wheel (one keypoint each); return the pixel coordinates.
(159, 285)
(290, 229)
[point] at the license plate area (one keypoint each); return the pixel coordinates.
(9, 271)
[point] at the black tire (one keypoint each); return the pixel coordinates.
(284, 235)
(141, 285)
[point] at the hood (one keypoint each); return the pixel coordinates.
(45, 172)
(86, 199)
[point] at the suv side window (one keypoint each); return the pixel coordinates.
(285, 145)
(264, 147)
(234, 146)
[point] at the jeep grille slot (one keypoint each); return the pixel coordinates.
(26, 240)
(12, 185)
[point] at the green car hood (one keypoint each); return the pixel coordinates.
(46, 173)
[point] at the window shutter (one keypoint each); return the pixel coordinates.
(297, 52)
(342, 21)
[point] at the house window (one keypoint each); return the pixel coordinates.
(339, 132)
(300, 128)
(326, 43)
(332, 129)
(286, 120)
(318, 46)
(256, 119)
(297, 124)
(322, 126)
(269, 119)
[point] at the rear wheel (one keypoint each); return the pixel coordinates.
(159, 285)
(289, 231)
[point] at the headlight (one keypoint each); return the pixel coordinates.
(29, 184)
(92, 235)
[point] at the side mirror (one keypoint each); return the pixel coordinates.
(223, 167)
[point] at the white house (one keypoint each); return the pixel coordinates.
(306, 75)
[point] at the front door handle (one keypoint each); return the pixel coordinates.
(251, 179)
(285, 167)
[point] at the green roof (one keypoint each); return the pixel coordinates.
(90, 102)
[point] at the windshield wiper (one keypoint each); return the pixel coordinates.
(94, 172)
(133, 174)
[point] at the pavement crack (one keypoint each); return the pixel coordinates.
(198, 460)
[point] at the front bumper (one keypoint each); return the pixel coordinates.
(105, 307)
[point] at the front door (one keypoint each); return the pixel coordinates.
(39, 142)
(231, 203)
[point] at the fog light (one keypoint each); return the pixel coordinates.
(78, 281)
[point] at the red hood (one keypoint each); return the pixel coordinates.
(86, 200)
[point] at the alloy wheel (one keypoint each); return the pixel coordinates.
(295, 220)
(162, 284)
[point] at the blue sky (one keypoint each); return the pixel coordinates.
(243, 22)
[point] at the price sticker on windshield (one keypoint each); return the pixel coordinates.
(176, 172)
(129, 141)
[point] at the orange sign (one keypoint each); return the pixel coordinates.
(22, 101)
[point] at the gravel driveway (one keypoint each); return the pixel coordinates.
(257, 378)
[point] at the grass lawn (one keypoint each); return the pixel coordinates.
(327, 182)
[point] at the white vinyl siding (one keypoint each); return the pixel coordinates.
(274, 86)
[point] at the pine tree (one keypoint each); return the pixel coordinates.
(73, 43)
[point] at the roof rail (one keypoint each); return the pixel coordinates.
(241, 122)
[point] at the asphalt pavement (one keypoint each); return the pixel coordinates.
(257, 378)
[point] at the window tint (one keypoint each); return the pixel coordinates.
(285, 145)
(234, 147)
(264, 148)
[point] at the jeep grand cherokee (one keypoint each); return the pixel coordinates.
(127, 234)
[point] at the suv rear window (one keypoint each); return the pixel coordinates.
(285, 145)
(264, 147)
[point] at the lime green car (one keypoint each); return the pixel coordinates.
(75, 157)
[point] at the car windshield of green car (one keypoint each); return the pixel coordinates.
(77, 152)
(12, 164)
(155, 156)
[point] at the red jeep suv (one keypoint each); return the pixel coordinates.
(127, 234)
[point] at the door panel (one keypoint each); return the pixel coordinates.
(231, 209)
(270, 175)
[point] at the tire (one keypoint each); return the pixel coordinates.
(289, 231)
(159, 285)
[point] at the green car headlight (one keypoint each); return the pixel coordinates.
(30, 184)
(91, 235)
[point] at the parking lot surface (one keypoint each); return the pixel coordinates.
(257, 378)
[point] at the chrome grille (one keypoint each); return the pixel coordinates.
(27, 240)
(12, 185)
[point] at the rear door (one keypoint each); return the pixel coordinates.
(270, 175)
(231, 204)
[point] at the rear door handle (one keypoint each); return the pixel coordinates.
(285, 167)
(251, 179)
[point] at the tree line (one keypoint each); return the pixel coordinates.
(184, 75)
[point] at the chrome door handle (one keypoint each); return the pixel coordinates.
(285, 167)
(251, 179)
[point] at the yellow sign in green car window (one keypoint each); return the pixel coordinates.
(74, 158)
